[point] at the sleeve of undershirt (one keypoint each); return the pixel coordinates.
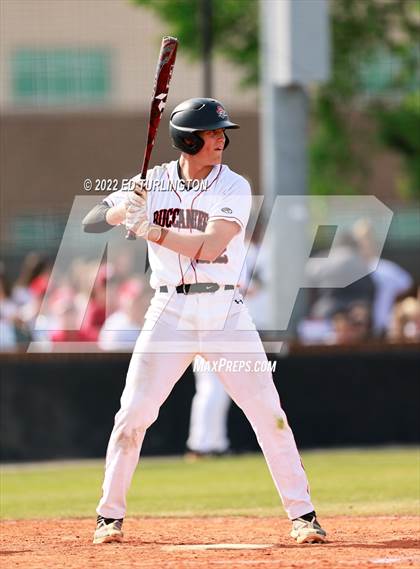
(95, 221)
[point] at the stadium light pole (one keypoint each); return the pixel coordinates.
(294, 54)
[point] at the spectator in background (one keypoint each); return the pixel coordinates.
(123, 266)
(36, 323)
(67, 318)
(339, 315)
(14, 331)
(95, 314)
(8, 312)
(71, 299)
(351, 325)
(405, 321)
(28, 293)
(121, 329)
(390, 279)
(344, 259)
(33, 278)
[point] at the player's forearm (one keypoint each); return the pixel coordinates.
(116, 214)
(205, 247)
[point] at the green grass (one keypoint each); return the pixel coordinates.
(351, 482)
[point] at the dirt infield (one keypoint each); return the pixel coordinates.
(153, 543)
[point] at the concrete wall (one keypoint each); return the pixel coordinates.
(49, 404)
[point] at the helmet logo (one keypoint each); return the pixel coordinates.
(226, 210)
(221, 112)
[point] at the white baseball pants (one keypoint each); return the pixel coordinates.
(177, 328)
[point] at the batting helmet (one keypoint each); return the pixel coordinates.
(193, 116)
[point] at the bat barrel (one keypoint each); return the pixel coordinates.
(163, 76)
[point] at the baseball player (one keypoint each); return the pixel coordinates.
(196, 252)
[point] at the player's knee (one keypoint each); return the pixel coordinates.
(138, 415)
(266, 414)
(147, 417)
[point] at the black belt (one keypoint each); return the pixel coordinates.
(197, 287)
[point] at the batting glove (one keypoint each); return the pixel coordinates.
(136, 214)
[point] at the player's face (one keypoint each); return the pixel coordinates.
(214, 143)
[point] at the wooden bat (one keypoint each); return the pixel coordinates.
(163, 76)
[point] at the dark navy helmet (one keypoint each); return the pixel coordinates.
(193, 116)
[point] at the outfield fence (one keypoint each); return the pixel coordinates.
(62, 405)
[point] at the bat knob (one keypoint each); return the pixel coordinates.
(130, 236)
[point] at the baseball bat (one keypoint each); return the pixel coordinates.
(163, 76)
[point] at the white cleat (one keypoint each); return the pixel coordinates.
(308, 532)
(108, 532)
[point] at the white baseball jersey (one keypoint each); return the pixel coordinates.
(222, 195)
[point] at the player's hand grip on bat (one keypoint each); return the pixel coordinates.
(136, 220)
(136, 214)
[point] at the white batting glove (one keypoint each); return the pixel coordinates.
(137, 198)
(136, 214)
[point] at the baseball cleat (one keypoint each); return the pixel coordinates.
(108, 530)
(304, 531)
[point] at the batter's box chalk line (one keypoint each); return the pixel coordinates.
(205, 546)
(391, 560)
